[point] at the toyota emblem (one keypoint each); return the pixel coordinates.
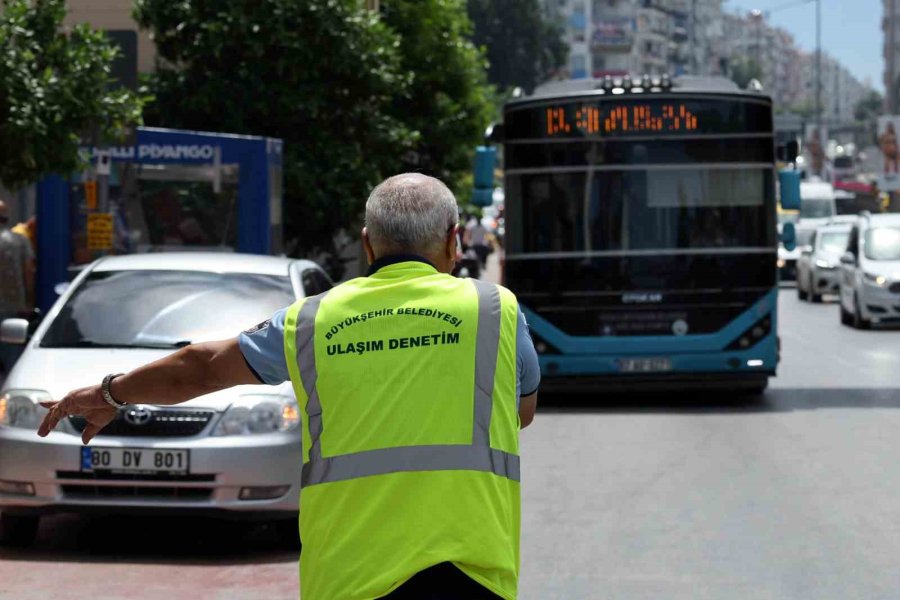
(138, 415)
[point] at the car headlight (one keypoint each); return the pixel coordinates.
(20, 409)
(879, 280)
(259, 414)
(824, 264)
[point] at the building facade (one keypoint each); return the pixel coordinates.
(890, 26)
(617, 37)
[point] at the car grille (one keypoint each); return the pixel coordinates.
(79, 487)
(895, 287)
(162, 423)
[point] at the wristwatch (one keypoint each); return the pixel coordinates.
(107, 396)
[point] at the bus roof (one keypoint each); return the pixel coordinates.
(683, 84)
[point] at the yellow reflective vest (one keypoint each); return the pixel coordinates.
(406, 381)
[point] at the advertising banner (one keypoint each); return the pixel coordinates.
(815, 140)
(888, 177)
(613, 33)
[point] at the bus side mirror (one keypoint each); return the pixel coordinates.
(788, 236)
(789, 186)
(847, 258)
(485, 161)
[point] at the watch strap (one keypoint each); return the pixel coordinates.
(107, 395)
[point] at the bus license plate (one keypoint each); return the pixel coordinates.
(135, 460)
(644, 365)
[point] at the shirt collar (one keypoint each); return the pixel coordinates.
(393, 259)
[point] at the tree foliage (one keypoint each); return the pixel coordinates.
(744, 70)
(523, 48)
(54, 87)
(355, 95)
(449, 102)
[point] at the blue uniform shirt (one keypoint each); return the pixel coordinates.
(263, 349)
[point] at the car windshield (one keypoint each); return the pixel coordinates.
(815, 208)
(883, 243)
(834, 241)
(164, 309)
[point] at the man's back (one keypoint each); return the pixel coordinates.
(407, 418)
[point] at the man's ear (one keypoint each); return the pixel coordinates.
(451, 247)
(367, 246)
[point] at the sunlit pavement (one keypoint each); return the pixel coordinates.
(675, 496)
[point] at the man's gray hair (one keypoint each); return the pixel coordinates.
(410, 213)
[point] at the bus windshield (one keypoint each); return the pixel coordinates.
(647, 209)
(816, 208)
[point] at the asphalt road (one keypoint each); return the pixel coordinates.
(673, 496)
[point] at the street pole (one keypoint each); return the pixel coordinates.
(819, 66)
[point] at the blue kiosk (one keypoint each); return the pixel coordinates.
(171, 190)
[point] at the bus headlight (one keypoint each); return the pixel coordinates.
(752, 335)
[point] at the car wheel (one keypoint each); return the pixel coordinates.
(813, 296)
(18, 531)
(801, 293)
(858, 320)
(846, 317)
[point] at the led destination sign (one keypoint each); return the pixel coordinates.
(638, 117)
(593, 120)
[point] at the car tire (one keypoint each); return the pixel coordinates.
(858, 321)
(813, 296)
(801, 293)
(18, 531)
(846, 317)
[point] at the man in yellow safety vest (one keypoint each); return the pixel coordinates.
(412, 385)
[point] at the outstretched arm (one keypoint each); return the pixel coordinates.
(192, 371)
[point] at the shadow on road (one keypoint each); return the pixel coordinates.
(156, 540)
(774, 400)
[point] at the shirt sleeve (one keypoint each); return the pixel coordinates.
(528, 369)
(263, 349)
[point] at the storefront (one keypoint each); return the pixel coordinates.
(171, 191)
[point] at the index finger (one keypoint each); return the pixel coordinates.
(51, 419)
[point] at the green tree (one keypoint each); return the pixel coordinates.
(744, 70)
(321, 74)
(54, 87)
(866, 113)
(449, 103)
(523, 48)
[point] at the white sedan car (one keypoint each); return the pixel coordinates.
(234, 453)
(818, 268)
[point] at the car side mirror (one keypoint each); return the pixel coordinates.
(847, 258)
(14, 331)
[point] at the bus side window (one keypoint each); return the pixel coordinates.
(315, 282)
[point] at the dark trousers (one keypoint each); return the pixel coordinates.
(441, 582)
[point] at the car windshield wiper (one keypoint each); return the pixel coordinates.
(143, 346)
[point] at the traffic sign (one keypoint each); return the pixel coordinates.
(100, 231)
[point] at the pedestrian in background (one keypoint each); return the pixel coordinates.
(16, 281)
(412, 385)
(475, 237)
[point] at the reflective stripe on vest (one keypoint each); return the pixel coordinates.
(479, 456)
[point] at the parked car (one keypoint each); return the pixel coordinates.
(232, 453)
(818, 267)
(870, 272)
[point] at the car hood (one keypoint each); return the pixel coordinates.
(60, 370)
(888, 268)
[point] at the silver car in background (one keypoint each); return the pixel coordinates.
(232, 453)
(818, 267)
